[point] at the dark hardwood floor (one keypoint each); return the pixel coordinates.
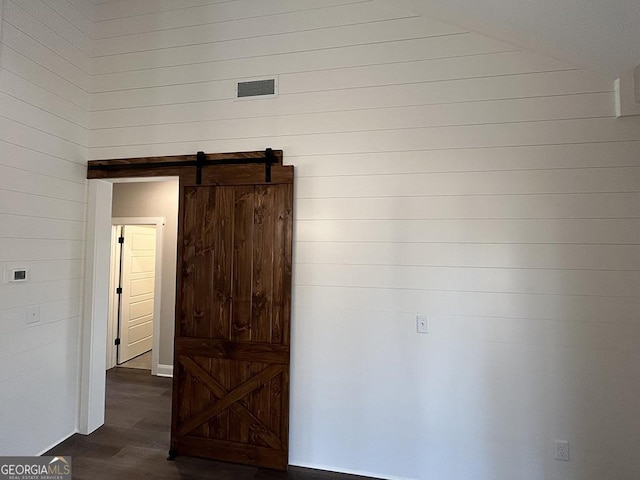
(134, 441)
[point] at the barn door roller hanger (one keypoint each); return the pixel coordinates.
(268, 160)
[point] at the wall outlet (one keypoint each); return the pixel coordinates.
(562, 450)
(422, 324)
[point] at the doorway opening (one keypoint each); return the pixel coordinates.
(129, 202)
(135, 293)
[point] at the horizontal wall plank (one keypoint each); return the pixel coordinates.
(41, 98)
(297, 21)
(511, 341)
(23, 67)
(624, 179)
(50, 270)
(38, 118)
(510, 63)
(456, 254)
(78, 12)
(22, 181)
(32, 249)
(563, 205)
(31, 339)
(39, 53)
(42, 410)
(439, 138)
(604, 155)
(346, 57)
(12, 319)
(123, 9)
(37, 293)
(27, 364)
(273, 45)
(529, 281)
(460, 329)
(30, 137)
(16, 226)
(206, 14)
(504, 111)
(30, 205)
(30, 160)
(578, 231)
(86, 7)
(551, 307)
(34, 28)
(536, 84)
(433, 94)
(57, 23)
(430, 70)
(553, 334)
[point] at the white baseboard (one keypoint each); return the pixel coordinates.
(165, 370)
(56, 443)
(347, 471)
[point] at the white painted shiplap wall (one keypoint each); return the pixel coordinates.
(438, 172)
(45, 67)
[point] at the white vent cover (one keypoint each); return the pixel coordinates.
(262, 88)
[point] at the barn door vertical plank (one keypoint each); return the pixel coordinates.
(221, 294)
(201, 396)
(188, 262)
(287, 212)
(261, 305)
(242, 264)
(182, 384)
(279, 265)
(287, 229)
(262, 289)
(203, 262)
(223, 262)
(242, 274)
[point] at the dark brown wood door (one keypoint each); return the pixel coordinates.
(231, 367)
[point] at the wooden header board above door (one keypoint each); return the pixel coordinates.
(183, 166)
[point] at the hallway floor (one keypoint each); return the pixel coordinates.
(142, 362)
(134, 441)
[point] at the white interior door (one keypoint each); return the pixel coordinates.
(137, 298)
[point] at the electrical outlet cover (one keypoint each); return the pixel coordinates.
(562, 450)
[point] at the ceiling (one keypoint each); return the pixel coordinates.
(600, 35)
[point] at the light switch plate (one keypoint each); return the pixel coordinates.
(422, 323)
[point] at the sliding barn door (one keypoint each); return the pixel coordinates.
(231, 368)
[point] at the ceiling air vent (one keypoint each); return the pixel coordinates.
(257, 89)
